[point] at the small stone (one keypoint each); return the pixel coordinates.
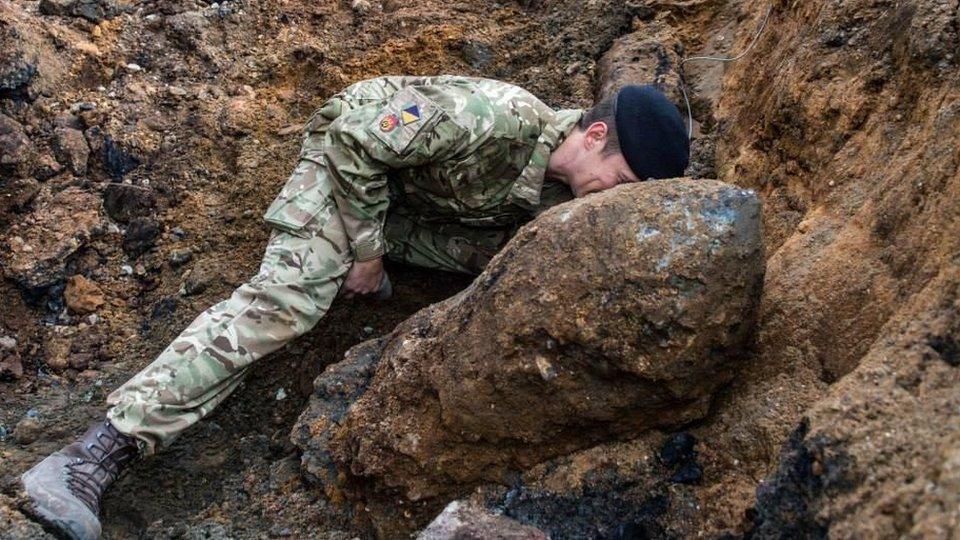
(124, 202)
(360, 6)
(180, 257)
(56, 353)
(8, 343)
(547, 371)
(368, 330)
(93, 319)
(79, 362)
(15, 146)
(82, 295)
(126, 270)
(465, 519)
(281, 394)
(28, 430)
(140, 236)
(133, 68)
(56, 7)
(11, 367)
(96, 32)
(195, 282)
(71, 149)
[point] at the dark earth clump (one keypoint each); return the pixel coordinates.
(786, 506)
(140, 236)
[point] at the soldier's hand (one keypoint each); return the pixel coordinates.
(364, 277)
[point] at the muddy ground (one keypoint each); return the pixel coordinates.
(132, 132)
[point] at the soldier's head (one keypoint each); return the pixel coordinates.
(635, 135)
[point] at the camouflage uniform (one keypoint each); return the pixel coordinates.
(433, 171)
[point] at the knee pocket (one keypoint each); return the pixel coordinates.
(305, 200)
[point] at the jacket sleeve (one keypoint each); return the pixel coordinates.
(364, 144)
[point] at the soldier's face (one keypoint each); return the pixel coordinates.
(595, 170)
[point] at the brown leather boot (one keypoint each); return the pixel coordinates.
(65, 488)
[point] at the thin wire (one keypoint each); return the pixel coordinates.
(683, 89)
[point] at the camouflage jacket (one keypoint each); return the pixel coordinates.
(451, 149)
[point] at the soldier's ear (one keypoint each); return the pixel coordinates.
(595, 136)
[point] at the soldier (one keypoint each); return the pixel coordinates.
(433, 171)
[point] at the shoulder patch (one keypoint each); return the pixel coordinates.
(407, 113)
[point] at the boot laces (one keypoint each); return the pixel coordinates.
(88, 478)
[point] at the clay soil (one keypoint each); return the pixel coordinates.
(845, 119)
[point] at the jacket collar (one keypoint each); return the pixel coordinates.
(526, 190)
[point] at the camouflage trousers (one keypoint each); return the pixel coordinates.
(298, 280)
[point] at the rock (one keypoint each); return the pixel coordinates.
(140, 236)
(17, 194)
(477, 54)
(53, 233)
(82, 295)
(117, 160)
(94, 11)
(361, 6)
(80, 361)
(651, 291)
(56, 353)
(56, 7)
(67, 119)
(180, 257)
(28, 430)
(463, 520)
(18, 65)
(11, 366)
(70, 148)
(8, 343)
(15, 147)
(124, 202)
(195, 281)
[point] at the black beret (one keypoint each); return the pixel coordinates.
(652, 135)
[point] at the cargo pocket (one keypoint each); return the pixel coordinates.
(306, 195)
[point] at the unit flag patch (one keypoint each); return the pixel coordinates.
(406, 114)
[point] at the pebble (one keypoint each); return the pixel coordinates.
(281, 394)
(368, 330)
(8, 343)
(126, 270)
(180, 256)
(28, 430)
(133, 68)
(93, 319)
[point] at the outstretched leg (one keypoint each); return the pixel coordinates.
(301, 273)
